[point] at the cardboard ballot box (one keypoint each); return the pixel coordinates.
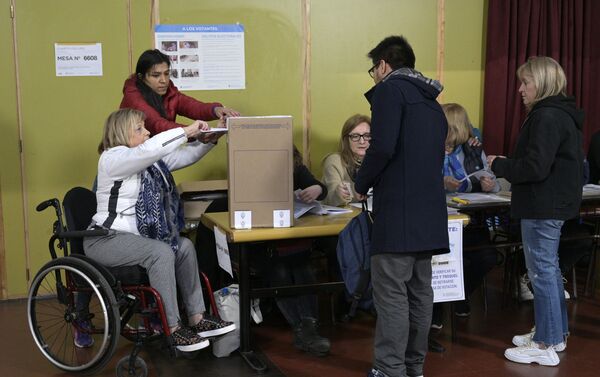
(261, 172)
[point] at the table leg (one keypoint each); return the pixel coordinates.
(244, 274)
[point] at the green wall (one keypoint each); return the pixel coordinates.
(273, 48)
(344, 31)
(465, 56)
(63, 116)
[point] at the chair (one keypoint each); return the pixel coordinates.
(73, 290)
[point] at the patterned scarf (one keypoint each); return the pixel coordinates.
(453, 168)
(413, 73)
(159, 213)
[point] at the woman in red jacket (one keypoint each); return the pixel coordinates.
(151, 91)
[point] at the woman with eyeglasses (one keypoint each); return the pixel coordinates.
(151, 91)
(340, 168)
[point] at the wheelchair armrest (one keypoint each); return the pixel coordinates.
(83, 233)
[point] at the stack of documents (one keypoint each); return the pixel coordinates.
(316, 208)
(591, 189)
(476, 197)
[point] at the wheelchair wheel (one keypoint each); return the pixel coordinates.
(140, 369)
(70, 301)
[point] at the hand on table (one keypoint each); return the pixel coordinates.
(310, 194)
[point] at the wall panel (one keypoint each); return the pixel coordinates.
(63, 116)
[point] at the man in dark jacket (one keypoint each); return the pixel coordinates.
(403, 165)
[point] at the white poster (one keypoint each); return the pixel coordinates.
(447, 269)
(78, 59)
(204, 57)
(223, 251)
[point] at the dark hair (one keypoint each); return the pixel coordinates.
(395, 50)
(297, 158)
(146, 61)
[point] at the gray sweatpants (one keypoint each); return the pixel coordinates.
(404, 300)
(166, 269)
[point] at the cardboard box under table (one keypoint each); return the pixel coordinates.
(261, 172)
(198, 195)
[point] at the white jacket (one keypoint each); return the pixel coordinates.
(119, 174)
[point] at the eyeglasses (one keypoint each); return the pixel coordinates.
(357, 137)
(372, 70)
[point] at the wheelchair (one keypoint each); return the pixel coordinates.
(75, 294)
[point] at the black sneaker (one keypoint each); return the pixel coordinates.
(307, 338)
(186, 340)
(212, 326)
(462, 309)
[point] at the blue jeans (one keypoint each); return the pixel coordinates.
(540, 246)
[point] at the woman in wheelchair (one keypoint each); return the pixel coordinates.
(139, 204)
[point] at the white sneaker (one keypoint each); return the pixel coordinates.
(525, 293)
(531, 353)
(525, 339)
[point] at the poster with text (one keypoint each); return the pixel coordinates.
(78, 59)
(204, 57)
(447, 269)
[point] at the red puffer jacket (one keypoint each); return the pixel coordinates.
(175, 103)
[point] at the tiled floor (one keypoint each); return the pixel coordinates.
(478, 351)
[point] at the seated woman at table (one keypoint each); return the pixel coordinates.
(139, 204)
(289, 264)
(462, 160)
(151, 91)
(283, 263)
(339, 168)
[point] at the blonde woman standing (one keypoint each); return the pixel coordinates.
(545, 172)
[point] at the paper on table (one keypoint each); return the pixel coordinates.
(300, 208)
(478, 174)
(591, 188)
(332, 210)
(223, 251)
(480, 197)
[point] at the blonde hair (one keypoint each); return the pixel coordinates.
(459, 125)
(118, 127)
(348, 160)
(547, 75)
